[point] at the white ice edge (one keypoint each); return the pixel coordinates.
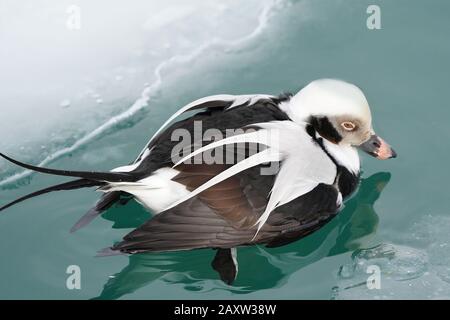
(147, 93)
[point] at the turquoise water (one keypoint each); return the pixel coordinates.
(397, 220)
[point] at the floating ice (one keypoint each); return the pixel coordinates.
(65, 103)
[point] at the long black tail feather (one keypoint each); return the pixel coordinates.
(71, 185)
(96, 176)
(104, 203)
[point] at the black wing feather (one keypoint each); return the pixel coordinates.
(193, 225)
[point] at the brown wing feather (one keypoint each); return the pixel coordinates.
(228, 199)
(193, 225)
(224, 215)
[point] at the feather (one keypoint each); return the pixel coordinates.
(267, 155)
(215, 101)
(89, 175)
(288, 142)
(298, 174)
(71, 185)
(260, 137)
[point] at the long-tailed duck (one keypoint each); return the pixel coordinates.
(243, 170)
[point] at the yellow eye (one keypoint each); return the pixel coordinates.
(349, 126)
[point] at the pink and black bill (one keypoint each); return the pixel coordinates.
(378, 148)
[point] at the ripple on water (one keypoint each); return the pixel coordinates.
(434, 235)
(406, 272)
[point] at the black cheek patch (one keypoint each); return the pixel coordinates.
(324, 127)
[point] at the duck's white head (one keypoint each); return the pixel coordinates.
(340, 113)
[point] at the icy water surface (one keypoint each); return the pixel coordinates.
(91, 98)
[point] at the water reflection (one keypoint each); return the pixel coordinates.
(260, 268)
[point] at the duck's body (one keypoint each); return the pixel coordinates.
(224, 215)
(281, 177)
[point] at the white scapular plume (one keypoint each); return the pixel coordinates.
(236, 100)
(251, 99)
(298, 174)
(261, 137)
(292, 146)
(267, 155)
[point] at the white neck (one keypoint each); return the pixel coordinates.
(345, 155)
